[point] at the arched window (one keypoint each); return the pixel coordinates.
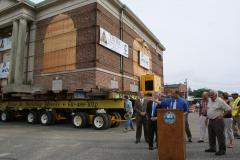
(60, 45)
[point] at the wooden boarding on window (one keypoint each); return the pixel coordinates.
(60, 45)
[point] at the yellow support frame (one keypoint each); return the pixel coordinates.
(64, 104)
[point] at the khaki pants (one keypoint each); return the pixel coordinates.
(202, 127)
(141, 122)
(236, 125)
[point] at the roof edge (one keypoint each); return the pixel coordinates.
(139, 22)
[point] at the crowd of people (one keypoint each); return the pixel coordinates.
(219, 114)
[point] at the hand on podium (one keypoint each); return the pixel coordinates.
(153, 118)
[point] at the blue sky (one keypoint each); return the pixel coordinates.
(202, 39)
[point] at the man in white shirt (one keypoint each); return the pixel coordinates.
(216, 109)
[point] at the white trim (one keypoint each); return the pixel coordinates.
(58, 9)
(87, 69)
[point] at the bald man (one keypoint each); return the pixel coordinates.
(140, 106)
(216, 110)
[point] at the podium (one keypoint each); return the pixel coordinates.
(171, 134)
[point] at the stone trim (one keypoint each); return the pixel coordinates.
(88, 69)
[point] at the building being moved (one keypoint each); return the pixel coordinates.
(64, 59)
(60, 45)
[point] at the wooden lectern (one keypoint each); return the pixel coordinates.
(171, 134)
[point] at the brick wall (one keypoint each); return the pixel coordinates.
(84, 19)
(90, 54)
(109, 60)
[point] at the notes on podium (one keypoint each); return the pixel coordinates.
(171, 134)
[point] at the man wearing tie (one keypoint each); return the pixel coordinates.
(181, 104)
(141, 119)
(152, 107)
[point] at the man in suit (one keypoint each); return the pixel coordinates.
(140, 106)
(152, 107)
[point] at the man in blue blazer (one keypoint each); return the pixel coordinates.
(177, 102)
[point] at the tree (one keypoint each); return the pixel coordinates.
(198, 93)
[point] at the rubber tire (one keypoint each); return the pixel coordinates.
(105, 119)
(109, 121)
(118, 116)
(87, 119)
(84, 120)
(35, 117)
(50, 118)
(9, 116)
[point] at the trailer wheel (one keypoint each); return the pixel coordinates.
(109, 121)
(117, 117)
(101, 121)
(87, 119)
(79, 120)
(47, 118)
(32, 117)
(7, 116)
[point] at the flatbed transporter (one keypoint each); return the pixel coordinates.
(101, 113)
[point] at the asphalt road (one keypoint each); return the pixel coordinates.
(21, 141)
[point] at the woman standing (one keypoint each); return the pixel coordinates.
(228, 121)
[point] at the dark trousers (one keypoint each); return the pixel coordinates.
(216, 129)
(141, 122)
(152, 125)
(187, 129)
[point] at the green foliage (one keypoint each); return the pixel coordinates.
(198, 93)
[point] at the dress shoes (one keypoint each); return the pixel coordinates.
(151, 148)
(200, 141)
(210, 150)
(220, 153)
(137, 141)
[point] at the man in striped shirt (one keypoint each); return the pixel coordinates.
(203, 116)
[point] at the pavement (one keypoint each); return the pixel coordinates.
(21, 141)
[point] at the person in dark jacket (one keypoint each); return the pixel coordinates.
(152, 107)
(141, 118)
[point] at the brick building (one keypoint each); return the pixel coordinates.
(171, 88)
(75, 45)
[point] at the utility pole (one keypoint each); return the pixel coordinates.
(186, 83)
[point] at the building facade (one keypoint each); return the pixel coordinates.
(171, 88)
(75, 45)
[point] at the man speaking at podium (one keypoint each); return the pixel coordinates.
(181, 104)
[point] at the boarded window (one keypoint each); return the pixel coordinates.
(139, 46)
(60, 45)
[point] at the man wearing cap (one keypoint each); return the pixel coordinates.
(128, 115)
(236, 114)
